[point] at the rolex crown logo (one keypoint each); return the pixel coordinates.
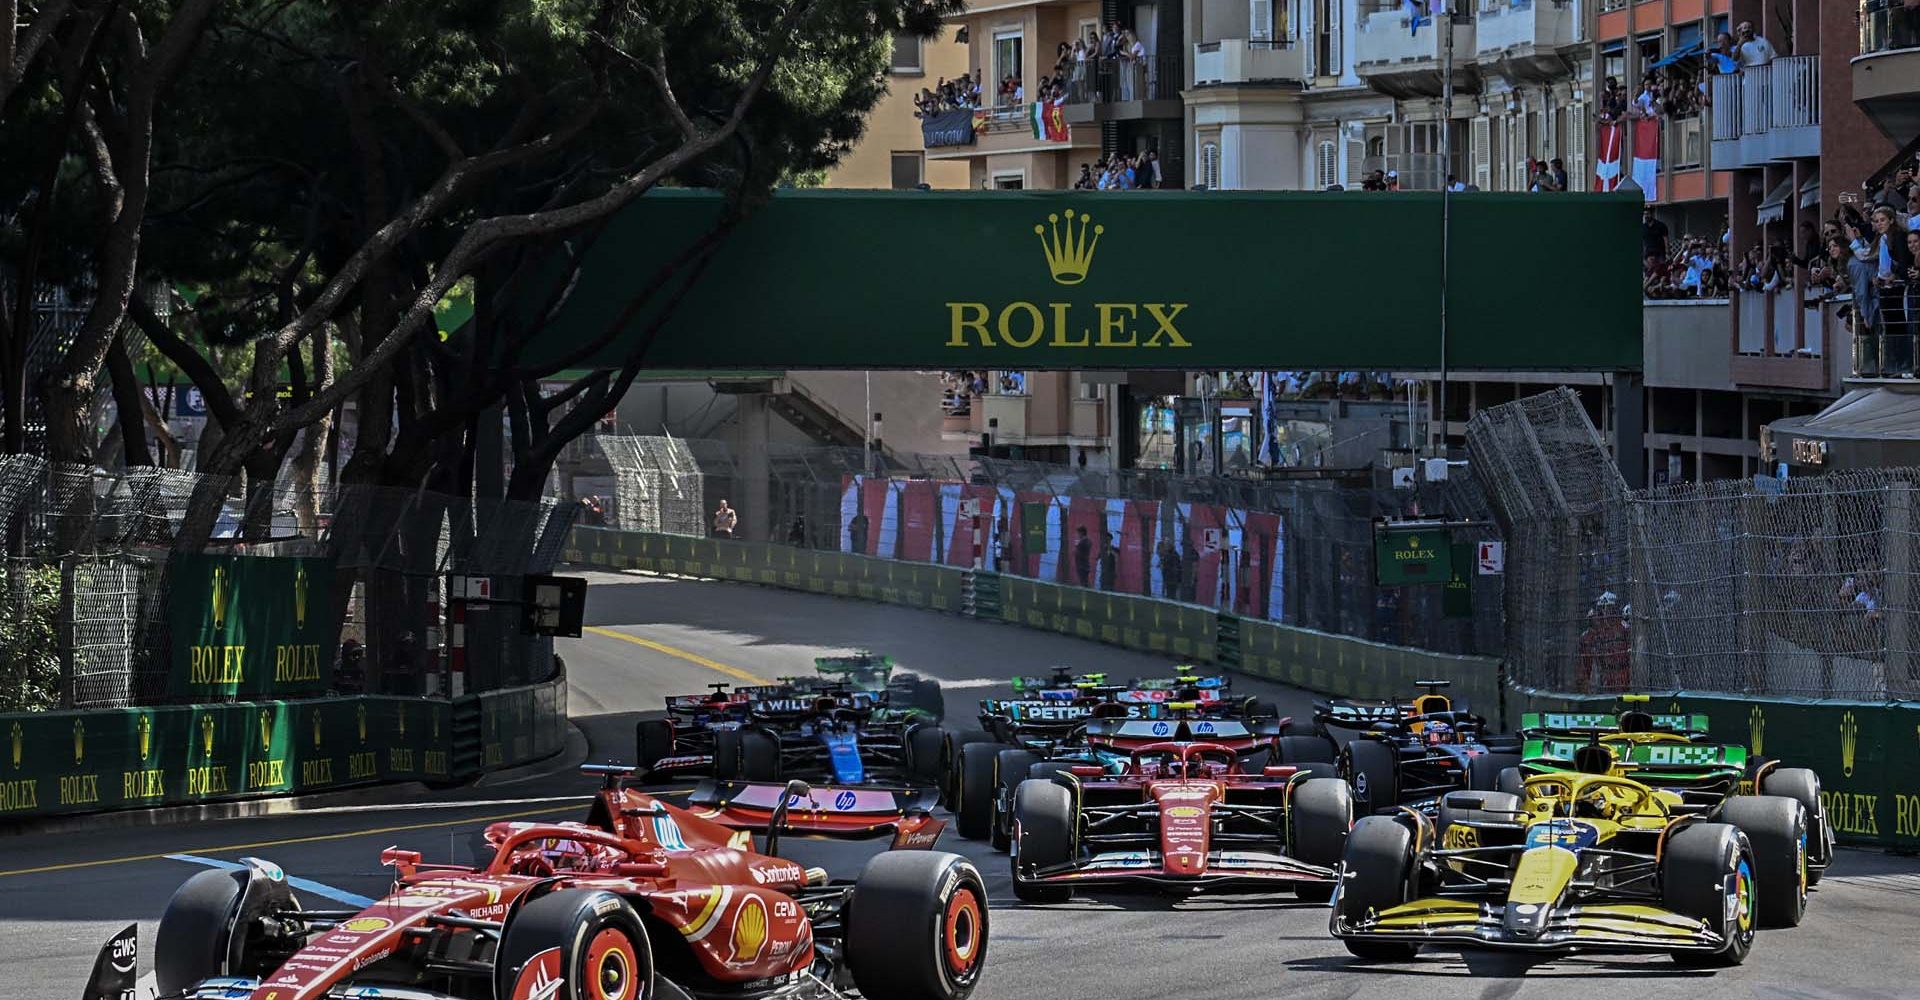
(1849, 743)
(316, 729)
(300, 596)
(1069, 254)
(79, 741)
(220, 597)
(206, 735)
(144, 731)
(19, 743)
(400, 714)
(1757, 731)
(360, 718)
(266, 731)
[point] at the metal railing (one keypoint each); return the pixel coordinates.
(1888, 25)
(1104, 81)
(1782, 94)
(1724, 89)
(1886, 339)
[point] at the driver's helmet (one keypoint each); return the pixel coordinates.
(1438, 732)
(825, 706)
(1594, 805)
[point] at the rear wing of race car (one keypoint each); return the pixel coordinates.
(1582, 723)
(866, 812)
(1653, 756)
(1357, 714)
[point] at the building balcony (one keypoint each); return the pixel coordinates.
(1239, 60)
(1397, 60)
(957, 135)
(1522, 39)
(1781, 341)
(1767, 113)
(1888, 355)
(1126, 90)
(1042, 420)
(1886, 73)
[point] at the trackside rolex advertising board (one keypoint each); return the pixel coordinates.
(1073, 280)
(250, 626)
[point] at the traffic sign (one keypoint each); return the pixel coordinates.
(1493, 558)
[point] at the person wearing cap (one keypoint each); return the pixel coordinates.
(1393, 180)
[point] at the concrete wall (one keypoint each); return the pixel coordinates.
(909, 401)
(1688, 344)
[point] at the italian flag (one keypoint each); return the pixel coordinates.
(1049, 121)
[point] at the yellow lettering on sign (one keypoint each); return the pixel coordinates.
(213, 664)
(1166, 327)
(1906, 815)
(266, 774)
(365, 764)
(400, 759)
(1060, 327)
(1110, 322)
(296, 662)
(316, 772)
(967, 316)
(148, 784)
(18, 796)
(1853, 812)
(79, 789)
(1036, 326)
(211, 780)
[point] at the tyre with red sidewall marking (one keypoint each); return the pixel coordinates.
(591, 941)
(916, 926)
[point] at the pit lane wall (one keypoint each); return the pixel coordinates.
(91, 761)
(1864, 753)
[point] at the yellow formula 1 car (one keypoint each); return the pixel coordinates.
(1579, 861)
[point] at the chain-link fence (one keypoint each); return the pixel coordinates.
(1800, 587)
(1324, 553)
(84, 588)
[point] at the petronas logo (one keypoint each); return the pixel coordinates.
(221, 587)
(1849, 743)
(79, 742)
(266, 731)
(206, 735)
(144, 733)
(1757, 731)
(300, 596)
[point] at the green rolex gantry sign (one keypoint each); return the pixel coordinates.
(1075, 280)
(250, 626)
(1404, 556)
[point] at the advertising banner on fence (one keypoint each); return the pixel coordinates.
(250, 625)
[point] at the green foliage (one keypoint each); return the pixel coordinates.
(29, 644)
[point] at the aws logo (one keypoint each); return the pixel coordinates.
(1068, 242)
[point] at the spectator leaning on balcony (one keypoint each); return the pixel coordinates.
(1754, 50)
(1723, 56)
(1613, 101)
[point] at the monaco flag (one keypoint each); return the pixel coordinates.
(1606, 169)
(1646, 156)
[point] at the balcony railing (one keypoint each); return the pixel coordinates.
(1887, 25)
(1769, 112)
(1542, 24)
(1239, 60)
(1887, 349)
(1387, 36)
(1155, 78)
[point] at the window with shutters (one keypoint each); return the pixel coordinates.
(1329, 164)
(907, 168)
(1482, 133)
(1260, 20)
(1210, 165)
(906, 53)
(1326, 32)
(1577, 148)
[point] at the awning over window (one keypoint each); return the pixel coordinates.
(1775, 207)
(1810, 191)
(1865, 427)
(1690, 52)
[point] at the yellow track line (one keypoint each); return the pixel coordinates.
(289, 840)
(695, 658)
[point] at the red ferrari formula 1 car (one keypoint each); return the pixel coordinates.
(1179, 816)
(671, 906)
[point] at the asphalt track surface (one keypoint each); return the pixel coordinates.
(62, 895)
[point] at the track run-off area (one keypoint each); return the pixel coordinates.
(63, 894)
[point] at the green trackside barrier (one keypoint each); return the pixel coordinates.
(97, 760)
(1863, 751)
(1178, 631)
(1356, 668)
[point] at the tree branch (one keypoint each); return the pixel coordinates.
(17, 50)
(194, 365)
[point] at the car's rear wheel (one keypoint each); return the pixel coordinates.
(1511, 781)
(1318, 820)
(925, 746)
(1302, 749)
(1010, 769)
(726, 754)
(928, 698)
(973, 812)
(1043, 836)
(588, 941)
(1776, 829)
(950, 758)
(1706, 872)
(1483, 770)
(1377, 874)
(916, 926)
(1801, 784)
(653, 742)
(759, 756)
(1373, 769)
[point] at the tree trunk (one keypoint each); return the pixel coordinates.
(128, 402)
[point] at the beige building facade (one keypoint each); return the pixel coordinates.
(890, 154)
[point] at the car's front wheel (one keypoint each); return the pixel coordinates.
(916, 926)
(575, 944)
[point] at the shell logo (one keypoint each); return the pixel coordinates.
(1183, 812)
(366, 925)
(749, 930)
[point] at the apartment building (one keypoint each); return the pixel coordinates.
(890, 153)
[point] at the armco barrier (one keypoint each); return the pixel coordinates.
(1179, 631)
(1863, 752)
(1356, 668)
(91, 761)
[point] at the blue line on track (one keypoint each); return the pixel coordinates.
(304, 885)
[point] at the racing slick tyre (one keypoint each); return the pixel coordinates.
(195, 941)
(916, 926)
(1304, 749)
(1050, 770)
(1318, 818)
(1043, 823)
(1511, 781)
(1706, 873)
(950, 760)
(973, 810)
(1009, 770)
(1776, 829)
(726, 754)
(653, 742)
(591, 942)
(925, 747)
(1802, 784)
(1377, 873)
(928, 698)
(1483, 770)
(1475, 807)
(759, 756)
(1373, 769)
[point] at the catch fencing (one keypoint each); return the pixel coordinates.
(84, 589)
(1295, 551)
(1802, 587)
